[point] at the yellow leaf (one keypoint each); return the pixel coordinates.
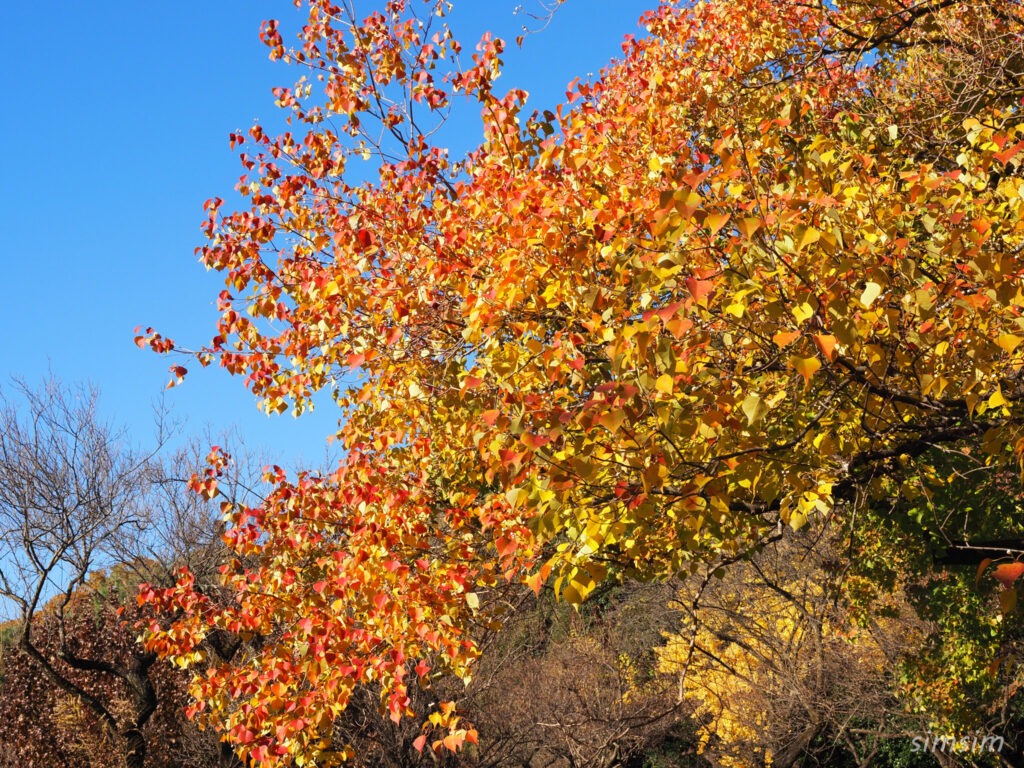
(754, 408)
(664, 384)
(972, 402)
(997, 400)
(572, 595)
(612, 420)
(803, 312)
(1008, 342)
(809, 237)
(805, 366)
(871, 292)
(715, 221)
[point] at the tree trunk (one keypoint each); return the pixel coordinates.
(795, 749)
(135, 748)
(144, 698)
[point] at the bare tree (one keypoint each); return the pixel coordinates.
(184, 528)
(73, 490)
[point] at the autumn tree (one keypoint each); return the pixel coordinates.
(753, 276)
(780, 670)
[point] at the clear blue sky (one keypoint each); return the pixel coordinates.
(116, 116)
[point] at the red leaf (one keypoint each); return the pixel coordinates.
(1007, 155)
(669, 312)
(179, 375)
(505, 547)
(700, 289)
(1007, 573)
(534, 441)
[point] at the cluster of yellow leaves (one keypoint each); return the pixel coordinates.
(766, 657)
(724, 694)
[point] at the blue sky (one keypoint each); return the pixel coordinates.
(115, 132)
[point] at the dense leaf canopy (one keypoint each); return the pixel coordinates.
(743, 280)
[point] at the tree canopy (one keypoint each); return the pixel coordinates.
(756, 275)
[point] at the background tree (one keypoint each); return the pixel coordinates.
(70, 486)
(779, 669)
(44, 725)
(84, 518)
(565, 688)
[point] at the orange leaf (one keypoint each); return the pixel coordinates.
(678, 326)
(700, 289)
(785, 338)
(1007, 573)
(748, 226)
(981, 569)
(827, 345)
(453, 741)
